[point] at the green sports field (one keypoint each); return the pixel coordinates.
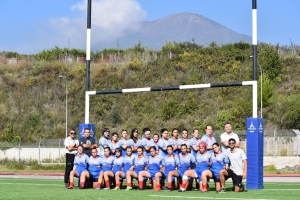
(20, 188)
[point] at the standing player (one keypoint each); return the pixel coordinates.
(227, 135)
(124, 142)
(208, 138)
(104, 141)
(80, 165)
(155, 141)
(139, 163)
(219, 161)
(164, 142)
(93, 171)
(114, 144)
(202, 163)
(147, 141)
(169, 163)
(237, 170)
(127, 166)
(175, 141)
(135, 142)
(195, 142)
(71, 150)
(185, 140)
(87, 142)
(154, 166)
(106, 163)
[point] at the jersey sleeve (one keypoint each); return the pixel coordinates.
(161, 144)
(193, 160)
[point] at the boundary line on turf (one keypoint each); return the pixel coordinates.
(2, 183)
(191, 197)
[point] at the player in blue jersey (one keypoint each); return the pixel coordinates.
(155, 141)
(93, 171)
(154, 166)
(164, 142)
(135, 142)
(80, 165)
(139, 163)
(114, 144)
(195, 140)
(127, 166)
(185, 161)
(106, 163)
(202, 164)
(185, 140)
(219, 161)
(117, 167)
(208, 138)
(124, 142)
(169, 163)
(147, 141)
(104, 140)
(175, 141)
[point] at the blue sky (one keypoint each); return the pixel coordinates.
(29, 26)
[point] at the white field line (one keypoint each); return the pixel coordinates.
(190, 197)
(4, 183)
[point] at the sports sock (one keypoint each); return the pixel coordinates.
(107, 183)
(98, 185)
(81, 184)
(129, 184)
(141, 184)
(170, 185)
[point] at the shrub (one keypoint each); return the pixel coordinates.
(15, 165)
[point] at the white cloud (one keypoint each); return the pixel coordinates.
(110, 20)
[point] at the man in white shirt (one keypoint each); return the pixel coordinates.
(71, 150)
(228, 134)
(237, 170)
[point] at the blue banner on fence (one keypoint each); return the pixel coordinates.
(89, 126)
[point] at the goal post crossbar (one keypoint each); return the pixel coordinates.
(168, 88)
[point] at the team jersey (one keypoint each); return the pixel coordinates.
(184, 162)
(135, 144)
(103, 142)
(147, 143)
(107, 163)
(81, 162)
(118, 164)
(154, 164)
(94, 166)
(186, 141)
(209, 141)
(124, 142)
(176, 142)
(218, 161)
(162, 143)
(113, 145)
(194, 142)
(225, 137)
(170, 162)
(127, 162)
(203, 161)
(140, 163)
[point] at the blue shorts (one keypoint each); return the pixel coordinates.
(80, 171)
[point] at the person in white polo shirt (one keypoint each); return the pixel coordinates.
(237, 170)
(228, 134)
(71, 145)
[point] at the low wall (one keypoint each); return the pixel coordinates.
(281, 162)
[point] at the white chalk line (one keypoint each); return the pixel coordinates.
(191, 197)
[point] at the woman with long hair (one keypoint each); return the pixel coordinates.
(124, 142)
(135, 142)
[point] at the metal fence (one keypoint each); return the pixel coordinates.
(276, 143)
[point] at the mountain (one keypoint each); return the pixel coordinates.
(180, 27)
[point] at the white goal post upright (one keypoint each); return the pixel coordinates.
(167, 88)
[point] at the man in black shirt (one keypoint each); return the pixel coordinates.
(88, 142)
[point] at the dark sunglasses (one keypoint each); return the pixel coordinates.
(231, 143)
(72, 133)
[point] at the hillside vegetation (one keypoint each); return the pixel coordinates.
(32, 102)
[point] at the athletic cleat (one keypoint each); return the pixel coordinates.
(116, 188)
(181, 190)
(107, 188)
(70, 187)
(128, 188)
(222, 190)
(204, 190)
(242, 188)
(81, 188)
(98, 188)
(139, 189)
(67, 185)
(168, 190)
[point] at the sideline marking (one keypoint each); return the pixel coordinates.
(190, 197)
(4, 183)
